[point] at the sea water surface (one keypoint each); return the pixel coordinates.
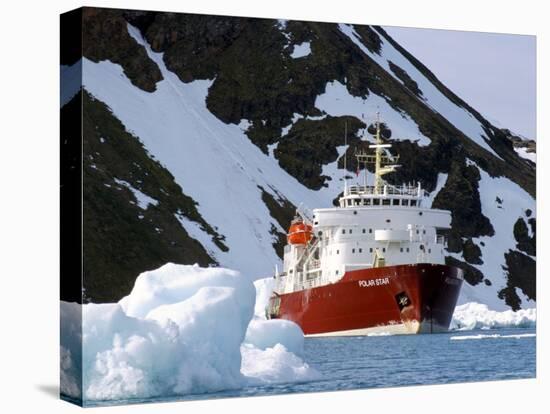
(363, 362)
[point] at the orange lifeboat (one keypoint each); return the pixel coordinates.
(299, 233)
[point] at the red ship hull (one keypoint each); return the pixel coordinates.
(417, 298)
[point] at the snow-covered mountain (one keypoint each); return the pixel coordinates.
(202, 134)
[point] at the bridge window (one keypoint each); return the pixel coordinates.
(336, 272)
(375, 201)
(429, 250)
(407, 250)
(401, 250)
(384, 249)
(337, 251)
(423, 231)
(343, 231)
(386, 202)
(395, 201)
(353, 250)
(368, 202)
(413, 203)
(370, 230)
(364, 231)
(405, 202)
(370, 250)
(360, 250)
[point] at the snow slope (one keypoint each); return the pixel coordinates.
(337, 101)
(214, 163)
(503, 216)
(456, 115)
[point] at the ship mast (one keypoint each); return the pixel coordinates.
(345, 157)
(378, 159)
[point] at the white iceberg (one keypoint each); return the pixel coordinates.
(478, 316)
(274, 365)
(182, 330)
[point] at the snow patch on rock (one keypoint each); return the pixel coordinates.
(522, 152)
(441, 181)
(337, 101)
(301, 50)
(143, 200)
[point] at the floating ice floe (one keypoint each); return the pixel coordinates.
(182, 330)
(478, 316)
(493, 336)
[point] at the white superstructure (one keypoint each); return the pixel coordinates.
(374, 226)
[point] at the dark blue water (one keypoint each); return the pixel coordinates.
(389, 361)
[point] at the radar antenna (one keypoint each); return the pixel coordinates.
(384, 163)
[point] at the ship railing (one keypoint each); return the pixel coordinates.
(405, 190)
(309, 283)
(440, 239)
(313, 264)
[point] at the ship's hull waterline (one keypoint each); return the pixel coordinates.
(402, 299)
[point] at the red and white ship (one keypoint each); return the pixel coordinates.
(374, 264)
